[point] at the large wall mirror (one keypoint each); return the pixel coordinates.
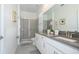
(65, 17)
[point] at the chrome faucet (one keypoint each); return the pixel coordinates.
(66, 33)
(69, 34)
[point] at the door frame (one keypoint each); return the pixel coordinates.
(18, 22)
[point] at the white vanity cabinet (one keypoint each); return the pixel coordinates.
(62, 47)
(51, 46)
(43, 45)
(39, 42)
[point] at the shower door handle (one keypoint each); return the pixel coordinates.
(1, 37)
(17, 36)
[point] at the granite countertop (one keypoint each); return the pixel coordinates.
(73, 44)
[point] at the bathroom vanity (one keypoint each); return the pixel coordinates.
(64, 18)
(56, 44)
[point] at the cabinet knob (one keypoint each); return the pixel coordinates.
(55, 52)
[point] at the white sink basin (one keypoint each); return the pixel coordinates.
(70, 40)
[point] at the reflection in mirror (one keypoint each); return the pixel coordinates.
(47, 20)
(69, 15)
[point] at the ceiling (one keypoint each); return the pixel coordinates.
(30, 7)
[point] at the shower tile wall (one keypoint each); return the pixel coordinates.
(24, 29)
(28, 28)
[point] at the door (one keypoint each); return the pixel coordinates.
(1, 28)
(8, 30)
(33, 27)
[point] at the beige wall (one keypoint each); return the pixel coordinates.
(28, 15)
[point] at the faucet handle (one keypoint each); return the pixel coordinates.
(71, 35)
(66, 33)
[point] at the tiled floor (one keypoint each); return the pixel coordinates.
(27, 48)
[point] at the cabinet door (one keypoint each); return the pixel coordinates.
(48, 49)
(42, 44)
(36, 40)
(54, 49)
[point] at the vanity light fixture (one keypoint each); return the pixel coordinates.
(14, 15)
